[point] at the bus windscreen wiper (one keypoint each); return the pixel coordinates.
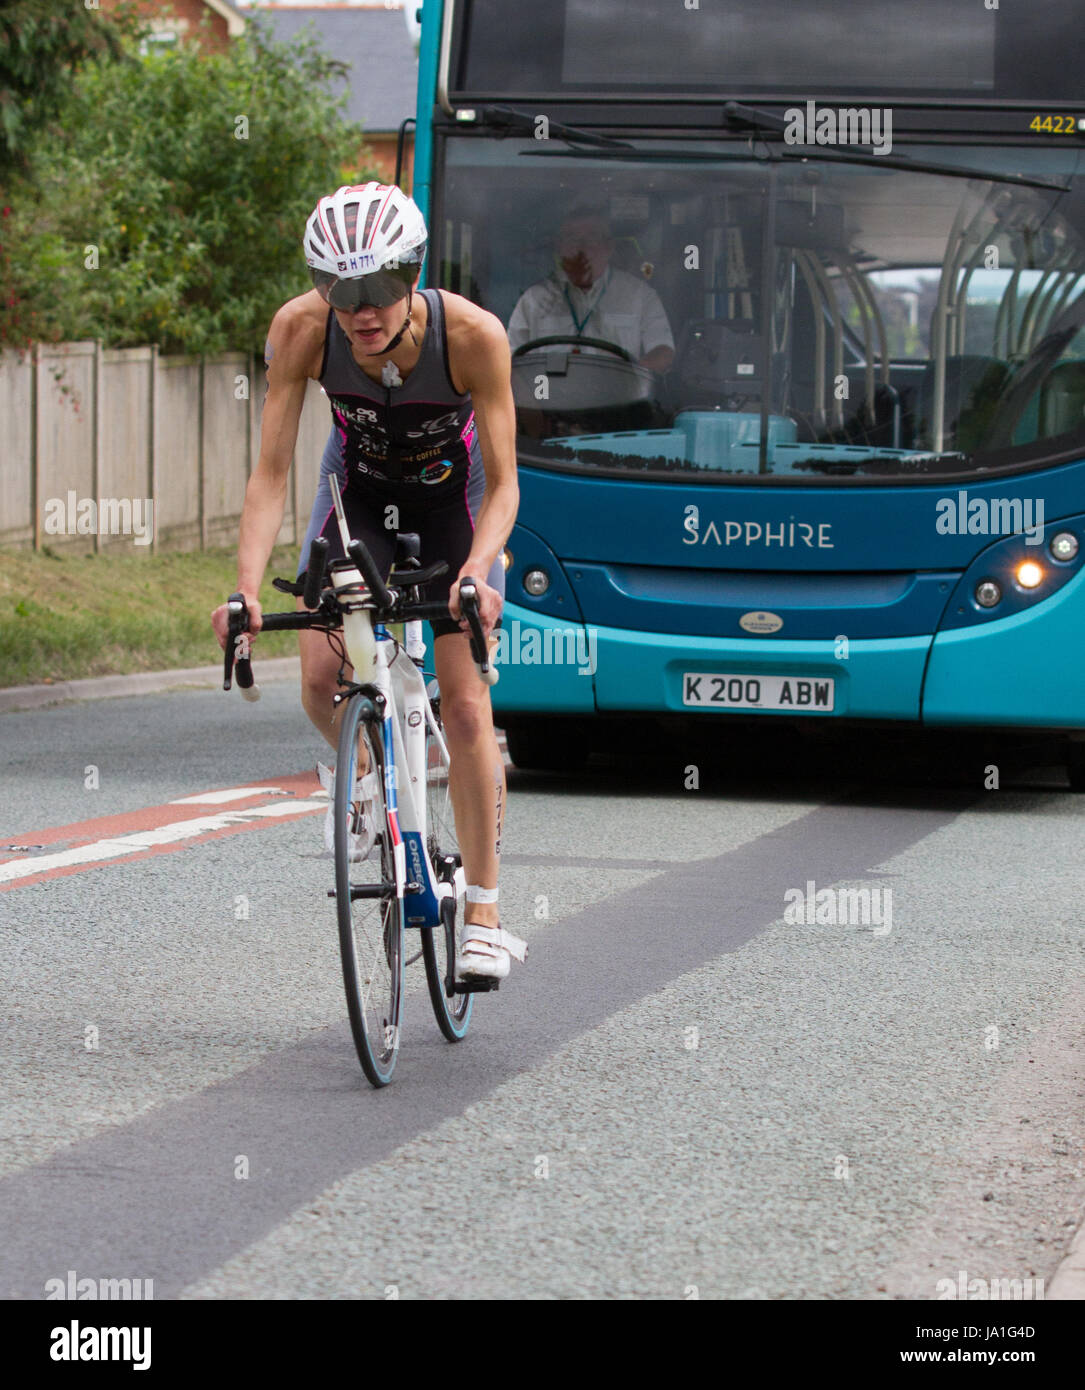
(752, 118)
(630, 153)
(505, 118)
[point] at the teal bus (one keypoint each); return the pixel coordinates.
(848, 481)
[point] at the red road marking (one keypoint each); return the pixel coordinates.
(108, 830)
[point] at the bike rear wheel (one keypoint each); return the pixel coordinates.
(453, 1013)
(371, 918)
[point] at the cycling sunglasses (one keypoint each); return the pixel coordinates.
(377, 290)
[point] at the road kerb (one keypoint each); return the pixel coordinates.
(24, 697)
(1069, 1278)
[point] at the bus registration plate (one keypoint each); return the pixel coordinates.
(801, 694)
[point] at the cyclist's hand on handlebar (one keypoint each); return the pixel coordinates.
(489, 602)
(220, 619)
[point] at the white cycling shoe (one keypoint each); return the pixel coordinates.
(364, 834)
(486, 952)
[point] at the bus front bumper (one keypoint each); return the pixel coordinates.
(547, 668)
(1025, 671)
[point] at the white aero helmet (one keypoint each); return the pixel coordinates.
(364, 244)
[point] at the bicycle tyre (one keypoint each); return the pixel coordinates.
(453, 1014)
(371, 929)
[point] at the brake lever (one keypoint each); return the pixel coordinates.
(479, 649)
(238, 654)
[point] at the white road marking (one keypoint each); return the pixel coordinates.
(147, 839)
(228, 794)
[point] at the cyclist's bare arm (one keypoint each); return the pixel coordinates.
(293, 354)
(480, 362)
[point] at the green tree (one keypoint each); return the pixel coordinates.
(41, 45)
(169, 204)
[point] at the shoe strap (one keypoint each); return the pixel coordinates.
(487, 940)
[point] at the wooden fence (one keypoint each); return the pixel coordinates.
(79, 421)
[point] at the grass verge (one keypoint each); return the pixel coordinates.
(67, 616)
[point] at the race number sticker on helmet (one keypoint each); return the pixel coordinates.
(364, 228)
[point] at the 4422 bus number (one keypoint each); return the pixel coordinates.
(1056, 125)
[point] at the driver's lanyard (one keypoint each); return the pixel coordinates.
(578, 324)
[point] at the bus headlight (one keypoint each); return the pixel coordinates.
(1064, 546)
(536, 582)
(988, 593)
(506, 559)
(1029, 574)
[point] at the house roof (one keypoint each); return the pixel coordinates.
(235, 22)
(383, 77)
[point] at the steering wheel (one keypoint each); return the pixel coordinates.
(568, 341)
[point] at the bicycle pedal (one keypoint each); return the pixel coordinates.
(479, 986)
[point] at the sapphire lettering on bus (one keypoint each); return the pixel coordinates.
(787, 534)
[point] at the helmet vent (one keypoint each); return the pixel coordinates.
(363, 240)
(333, 230)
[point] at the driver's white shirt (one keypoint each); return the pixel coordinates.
(619, 308)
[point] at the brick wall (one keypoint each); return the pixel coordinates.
(191, 19)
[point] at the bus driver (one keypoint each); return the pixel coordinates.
(587, 297)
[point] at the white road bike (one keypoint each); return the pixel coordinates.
(395, 829)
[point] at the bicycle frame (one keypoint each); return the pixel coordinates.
(389, 684)
(407, 712)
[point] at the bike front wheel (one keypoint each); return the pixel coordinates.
(453, 1012)
(371, 918)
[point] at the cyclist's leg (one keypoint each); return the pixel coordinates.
(319, 661)
(476, 771)
(319, 669)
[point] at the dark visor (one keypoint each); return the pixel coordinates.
(377, 290)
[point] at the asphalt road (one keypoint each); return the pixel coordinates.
(687, 1090)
